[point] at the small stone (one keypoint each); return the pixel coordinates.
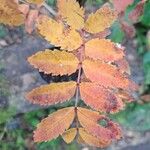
(3, 43)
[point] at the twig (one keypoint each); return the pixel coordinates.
(50, 9)
(23, 1)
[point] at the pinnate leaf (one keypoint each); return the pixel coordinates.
(54, 32)
(106, 75)
(55, 62)
(103, 49)
(54, 125)
(99, 21)
(71, 12)
(10, 14)
(89, 120)
(87, 138)
(52, 93)
(69, 135)
(99, 98)
(104, 85)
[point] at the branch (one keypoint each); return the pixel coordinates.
(50, 9)
(22, 1)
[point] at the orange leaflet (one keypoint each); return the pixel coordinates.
(102, 19)
(71, 12)
(88, 138)
(10, 14)
(54, 125)
(69, 135)
(52, 93)
(55, 32)
(106, 75)
(55, 62)
(89, 120)
(102, 49)
(99, 98)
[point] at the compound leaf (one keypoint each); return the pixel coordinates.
(105, 69)
(69, 135)
(102, 19)
(103, 49)
(99, 98)
(55, 62)
(71, 12)
(52, 93)
(54, 125)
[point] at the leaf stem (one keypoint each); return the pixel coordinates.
(77, 90)
(78, 83)
(81, 49)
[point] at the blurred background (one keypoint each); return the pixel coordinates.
(18, 118)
